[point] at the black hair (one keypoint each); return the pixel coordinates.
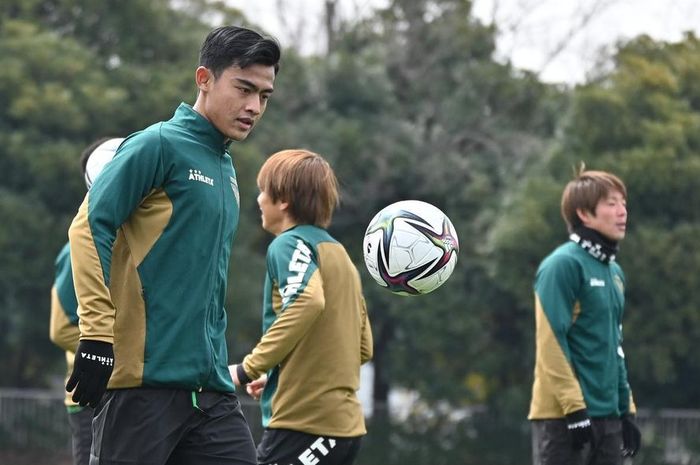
(85, 154)
(232, 45)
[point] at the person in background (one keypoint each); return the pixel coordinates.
(63, 326)
(316, 332)
(150, 248)
(582, 411)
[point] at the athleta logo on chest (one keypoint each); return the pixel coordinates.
(298, 264)
(196, 175)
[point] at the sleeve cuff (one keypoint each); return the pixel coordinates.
(243, 377)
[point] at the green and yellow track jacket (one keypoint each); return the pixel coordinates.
(316, 334)
(579, 362)
(63, 326)
(150, 249)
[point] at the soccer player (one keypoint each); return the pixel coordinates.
(315, 324)
(63, 326)
(582, 410)
(150, 248)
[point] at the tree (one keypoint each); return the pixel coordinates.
(654, 144)
(639, 120)
(46, 86)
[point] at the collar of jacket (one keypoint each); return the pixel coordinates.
(195, 122)
(597, 245)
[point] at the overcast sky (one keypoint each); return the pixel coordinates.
(559, 39)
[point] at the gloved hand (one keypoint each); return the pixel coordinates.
(631, 436)
(580, 430)
(94, 361)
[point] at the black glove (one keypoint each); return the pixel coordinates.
(94, 361)
(631, 436)
(580, 430)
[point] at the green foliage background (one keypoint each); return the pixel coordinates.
(409, 103)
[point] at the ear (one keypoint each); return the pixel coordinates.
(203, 78)
(284, 206)
(585, 216)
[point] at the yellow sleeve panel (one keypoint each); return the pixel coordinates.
(61, 331)
(70, 358)
(130, 318)
(65, 335)
(134, 240)
(366, 343)
(289, 327)
(142, 233)
(95, 307)
(556, 391)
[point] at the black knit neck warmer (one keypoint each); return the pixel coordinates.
(593, 242)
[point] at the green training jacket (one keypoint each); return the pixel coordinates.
(63, 326)
(579, 362)
(316, 334)
(150, 248)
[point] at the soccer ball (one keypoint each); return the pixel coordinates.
(410, 247)
(99, 157)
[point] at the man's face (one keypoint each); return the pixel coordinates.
(273, 214)
(610, 218)
(236, 100)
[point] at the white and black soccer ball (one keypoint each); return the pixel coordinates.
(99, 158)
(410, 247)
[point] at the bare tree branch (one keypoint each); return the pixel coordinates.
(586, 15)
(517, 19)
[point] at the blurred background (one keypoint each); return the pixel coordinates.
(443, 101)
